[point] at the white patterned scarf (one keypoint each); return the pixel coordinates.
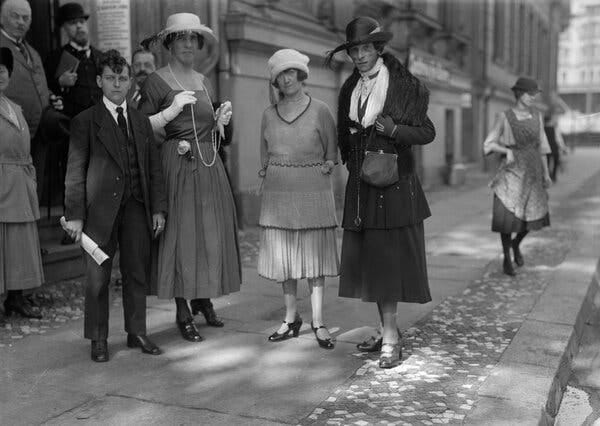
(375, 89)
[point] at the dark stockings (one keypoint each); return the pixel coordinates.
(183, 310)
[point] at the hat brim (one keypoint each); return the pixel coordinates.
(202, 30)
(85, 16)
(379, 37)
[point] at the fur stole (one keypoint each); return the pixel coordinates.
(406, 102)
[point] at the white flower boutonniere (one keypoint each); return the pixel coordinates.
(185, 148)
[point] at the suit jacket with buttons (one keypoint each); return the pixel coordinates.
(94, 183)
(403, 203)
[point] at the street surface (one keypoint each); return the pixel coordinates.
(235, 376)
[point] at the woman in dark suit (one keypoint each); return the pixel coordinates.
(382, 108)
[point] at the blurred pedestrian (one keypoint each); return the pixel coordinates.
(297, 218)
(382, 113)
(115, 194)
(520, 197)
(199, 254)
(28, 87)
(20, 257)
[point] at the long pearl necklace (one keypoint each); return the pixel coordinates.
(215, 140)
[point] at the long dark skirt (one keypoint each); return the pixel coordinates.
(385, 265)
(504, 221)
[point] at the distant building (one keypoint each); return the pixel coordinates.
(579, 67)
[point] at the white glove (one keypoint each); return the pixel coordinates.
(224, 113)
(179, 101)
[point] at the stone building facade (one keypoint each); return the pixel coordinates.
(469, 53)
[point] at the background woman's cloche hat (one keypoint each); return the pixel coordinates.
(526, 84)
(181, 22)
(69, 11)
(362, 30)
(285, 59)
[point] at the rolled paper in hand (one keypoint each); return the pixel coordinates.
(88, 245)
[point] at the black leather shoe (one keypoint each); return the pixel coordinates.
(189, 331)
(324, 343)
(517, 254)
(207, 310)
(141, 341)
(508, 268)
(293, 330)
(21, 307)
(99, 351)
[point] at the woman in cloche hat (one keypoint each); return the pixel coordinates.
(382, 108)
(297, 217)
(520, 197)
(198, 251)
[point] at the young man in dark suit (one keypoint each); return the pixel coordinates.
(115, 194)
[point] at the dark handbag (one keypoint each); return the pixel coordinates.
(379, 168)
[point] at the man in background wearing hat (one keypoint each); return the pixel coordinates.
(28, 87)
(78, 87)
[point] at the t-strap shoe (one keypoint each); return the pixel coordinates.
(293, 329)
(324, 343)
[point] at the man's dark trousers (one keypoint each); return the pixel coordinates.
(130, 233)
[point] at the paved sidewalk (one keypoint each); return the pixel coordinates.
(236, 377)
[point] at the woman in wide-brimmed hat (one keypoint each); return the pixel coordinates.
(520, 197)
(297, 218)
(198, 251)
(382, 108)
(20, 257)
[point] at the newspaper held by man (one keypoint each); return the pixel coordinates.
(88, 245)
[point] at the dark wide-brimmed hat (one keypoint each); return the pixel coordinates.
(362, 30)
(6, 59)
(526, 84)
(70, 11)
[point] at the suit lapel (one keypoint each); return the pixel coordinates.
(106, 132)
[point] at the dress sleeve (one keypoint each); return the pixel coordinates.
(263, 143)
(327, 130)
(544, 145)
(493, 138)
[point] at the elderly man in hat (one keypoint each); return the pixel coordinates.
(77, 85)
(28, 87)
(382, 114)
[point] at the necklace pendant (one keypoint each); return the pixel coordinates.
(357, 222)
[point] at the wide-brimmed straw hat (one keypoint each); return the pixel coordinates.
(179, 23)
(362, 30)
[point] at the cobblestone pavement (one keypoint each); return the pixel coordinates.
(449, 353)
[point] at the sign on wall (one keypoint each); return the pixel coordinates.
(114, 26)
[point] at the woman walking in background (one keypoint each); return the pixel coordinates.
(198, 252)
(382, 109)
(520, 197)
(20, 256)
(297, 219)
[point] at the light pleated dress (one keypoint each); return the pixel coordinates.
(20, 257)
(297, 216)
(198, 254)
